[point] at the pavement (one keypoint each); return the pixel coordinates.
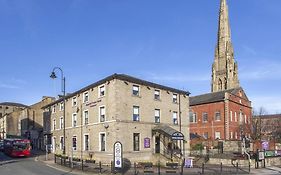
(41, 156)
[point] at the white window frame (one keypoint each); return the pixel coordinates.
(100, 88)
(84, 117)
(216, 133)
(61, 142)
(157, 94)
(74, 101)
(100, 107)
(157, 115)
(203, 117)
(216, 116)
(72, 145)
(245, 118)
(175, 98)
(54, 124)
(84, 142)
(100, 133)
(61, 106)
(61, 122)
(235, 116)
(138, 119)
(54, 140)
(138, 90)
(231, 135)
(74, 119)
(175, 118)
(86, 94)
(54, 109)
(231, 117)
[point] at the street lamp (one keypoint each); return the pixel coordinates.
(53, 76)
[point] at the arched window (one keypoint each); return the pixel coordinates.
(220, 84)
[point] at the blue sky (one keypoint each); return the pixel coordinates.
(165, 41)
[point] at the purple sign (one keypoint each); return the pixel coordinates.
(146, 142)
(265, 145)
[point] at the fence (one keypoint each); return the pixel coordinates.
(142, 168)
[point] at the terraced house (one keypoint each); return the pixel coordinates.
(142, 115)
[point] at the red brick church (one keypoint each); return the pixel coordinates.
(226, 112)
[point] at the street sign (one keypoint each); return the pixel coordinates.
(118, 155)
(261, 155)
(177, 136)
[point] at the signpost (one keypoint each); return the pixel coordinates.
(118, 155)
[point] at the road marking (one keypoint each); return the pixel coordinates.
(57, 168)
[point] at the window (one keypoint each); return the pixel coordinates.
(205, 117)
(54, 124)
(85, 97)
(74, 120)
(157, 115)
(74, 101)
(61, 143)
(205, 135)
(192, 117)
(217, 135)
(175, 117)
(102, 91)
(86, 117)
(218, 116)
(235, 116)
(102, 114)
(61, 106)
(175, 98)
(136, 114)
(74, 143)
(54, 109)
(102, 141)
(231, 135)
(136, 141)
(240, 117)
(136, 90)
(231, 116)
(61, 122)
(157, 94)
(236, 135)
(245, 117)
(86, 142)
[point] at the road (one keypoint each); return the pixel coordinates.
(26, 166)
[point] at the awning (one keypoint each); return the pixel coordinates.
(169, 132)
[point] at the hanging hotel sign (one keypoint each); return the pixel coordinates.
(177, 136)
(146, 142)
(118, 155)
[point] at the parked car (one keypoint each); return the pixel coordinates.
(1, 145)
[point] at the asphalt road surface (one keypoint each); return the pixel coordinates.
(26, 166)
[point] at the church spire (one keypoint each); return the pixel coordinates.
(224, 69)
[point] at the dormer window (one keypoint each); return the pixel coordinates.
(136, 90)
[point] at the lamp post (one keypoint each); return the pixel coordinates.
(53, 76)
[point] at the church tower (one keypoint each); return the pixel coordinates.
(224, 69)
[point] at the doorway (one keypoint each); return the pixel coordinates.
(157, 144)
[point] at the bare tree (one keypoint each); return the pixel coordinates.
(257, 124)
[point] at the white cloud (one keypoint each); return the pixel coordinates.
(8, 86)
(262, 70)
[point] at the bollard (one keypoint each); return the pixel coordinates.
(159, 170)
(135, 168)
(82, 165)
(249, 167)
(236, 167)
(221, 167)
(111, 167)
(100, 166)
(55, 158)
(202, 168)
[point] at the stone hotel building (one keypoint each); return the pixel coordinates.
(142, 115)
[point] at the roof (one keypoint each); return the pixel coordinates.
(123, 77)
(267, 116)
(13, 104)
(211, 97)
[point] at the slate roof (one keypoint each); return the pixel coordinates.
(123, 77)
(13, 104)
(211, 97)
